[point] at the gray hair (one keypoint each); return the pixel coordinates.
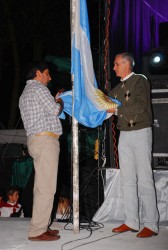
(129, 57)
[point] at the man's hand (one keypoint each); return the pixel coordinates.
(111, 110)
(59, 92)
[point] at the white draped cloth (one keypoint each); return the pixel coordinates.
(112, 207)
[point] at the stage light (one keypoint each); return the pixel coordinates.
(155, 67)
(158, 61)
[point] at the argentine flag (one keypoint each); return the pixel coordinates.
(90, 104)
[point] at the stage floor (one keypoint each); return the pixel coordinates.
(13, 236)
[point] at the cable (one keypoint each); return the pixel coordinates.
(87, 242)
(75, 241)
(68, 215)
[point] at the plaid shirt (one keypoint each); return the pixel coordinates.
(38, 109)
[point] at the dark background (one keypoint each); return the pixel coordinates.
(32, 30)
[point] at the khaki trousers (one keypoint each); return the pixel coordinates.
(137, 178)
(45, 153)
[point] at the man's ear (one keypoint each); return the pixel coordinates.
(38, 73)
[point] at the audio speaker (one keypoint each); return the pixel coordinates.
(160, 126)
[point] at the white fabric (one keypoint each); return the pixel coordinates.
(112, 207)
(9, 209)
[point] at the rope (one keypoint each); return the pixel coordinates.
(106, 42)
(115, 143)
(106, 57)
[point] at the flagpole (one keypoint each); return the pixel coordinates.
(75, 142)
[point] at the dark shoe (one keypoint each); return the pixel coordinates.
(45, 237)
(123, 228)
(146, 232)
(52, 232)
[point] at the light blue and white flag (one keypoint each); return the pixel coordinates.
(90, 104)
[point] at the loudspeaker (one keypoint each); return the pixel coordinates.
(163, 34)
(160, 126)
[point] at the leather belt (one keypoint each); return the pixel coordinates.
(49, 134)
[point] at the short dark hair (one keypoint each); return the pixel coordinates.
(33, 67)
(11, 191)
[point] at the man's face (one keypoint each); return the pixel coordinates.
(44, 77)
(121, 67)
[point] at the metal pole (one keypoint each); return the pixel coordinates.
(75, 142)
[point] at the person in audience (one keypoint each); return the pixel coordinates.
(1, 200)
(11, 208)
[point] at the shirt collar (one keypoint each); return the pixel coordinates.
(128, 76)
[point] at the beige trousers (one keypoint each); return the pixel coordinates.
(137, 178)
(45, 153)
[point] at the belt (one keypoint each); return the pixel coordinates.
(49, 134)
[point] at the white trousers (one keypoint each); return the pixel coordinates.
(135, 149)
(45, 153)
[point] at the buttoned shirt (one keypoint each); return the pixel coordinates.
(39, 110)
